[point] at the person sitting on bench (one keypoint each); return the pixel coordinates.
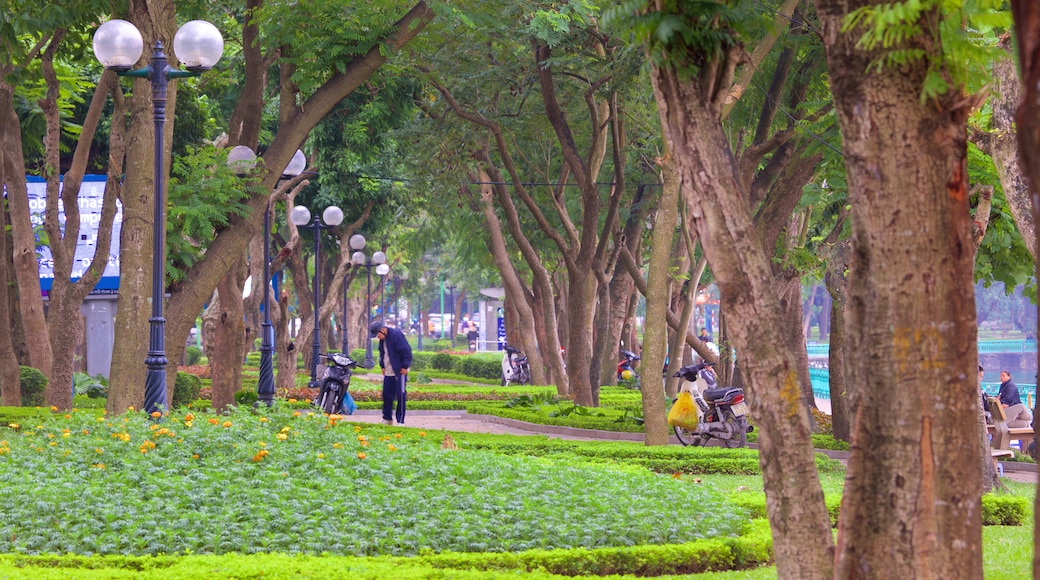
(1018, 415)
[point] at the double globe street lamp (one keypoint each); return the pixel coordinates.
(118, 46)
(241, 160)
(358, 258)
(332, 217)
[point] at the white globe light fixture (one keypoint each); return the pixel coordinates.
(332, 216)
(198, 45)
(357, 242)
(300, 215)
(118, 44)
(241, 159)
(296, 165)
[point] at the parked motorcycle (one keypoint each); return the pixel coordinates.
(515, 368)
(334, 382)
(723, 411)
(625, 369)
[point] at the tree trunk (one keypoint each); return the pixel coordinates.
(657, 296)
(224, 321)
(10, 374)
(911, 504)
(1027, 36)
(287, 353)
(689, 109)
(837, 286)
(790, 287)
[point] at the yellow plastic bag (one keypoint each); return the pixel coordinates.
(684, 412)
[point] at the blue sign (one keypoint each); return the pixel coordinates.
(501, 329)
(91, 198)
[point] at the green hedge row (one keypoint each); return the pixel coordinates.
(997, 510)
(748, 551)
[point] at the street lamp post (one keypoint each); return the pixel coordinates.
(418, 305)
(241, 160)
(382, 270)
(454, 323)
(358, 258)
(332, 216)
(118, 45)
(357, 243)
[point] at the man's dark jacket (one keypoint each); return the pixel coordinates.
(399, 349)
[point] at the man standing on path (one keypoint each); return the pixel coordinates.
(395, 357)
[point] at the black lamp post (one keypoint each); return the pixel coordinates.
(332, 216)
(358, 258)
(241, 160)
(382, 270)
(118, 46)
(418, 306)
(357, 243)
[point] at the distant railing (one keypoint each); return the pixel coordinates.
(818, 349)
(821, 386)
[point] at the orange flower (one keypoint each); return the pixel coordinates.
(226, 424)
(194, 455)
(156, 414)
(68, 416)
(337, 446)
(263, 419)
(361, 455)
(296, 414)
(189, 417)
(397, 435)
(53, 409)
(391, 447)
(213, 421)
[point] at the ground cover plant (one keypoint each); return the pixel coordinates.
(292, 482)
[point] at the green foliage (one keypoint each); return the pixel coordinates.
(246, 398)
(92, 387)
(904, 30)
(204, 195)
(185, 389)
(33, 384)
(442, 362)
(192, 355)
(682, 35)
(472, 366)
(534, 401)
(1004, 510)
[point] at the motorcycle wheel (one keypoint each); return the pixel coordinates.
(740, 425)
(329, 402)
(688, 438)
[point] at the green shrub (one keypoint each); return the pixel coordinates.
(185, 389)
(479, 367)
(192, 355)
(442, 362)
(1003, 510)
(246, 398)
(33, 385)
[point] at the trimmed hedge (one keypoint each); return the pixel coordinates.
(33, 384)
(185, 389)
(997, 510)
(1004, 510)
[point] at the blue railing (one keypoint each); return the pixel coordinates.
(818, 349)
(821, 386)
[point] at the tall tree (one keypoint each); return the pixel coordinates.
(911, 503)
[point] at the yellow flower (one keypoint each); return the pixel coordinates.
(226, 424)
(321, 456)
(357, 428)
(66, 435)
(361, 455)
(99, 466)
(292, 400)
(391, 447)
(153, 427)
(262, 444)
(100, 419)
(337, 446)
(187, 424)
(282, 436)
(335, 417)
(130, 408)
(14, 425)
(263, 419)
(54, 409)
(98, 450)
(53, 443)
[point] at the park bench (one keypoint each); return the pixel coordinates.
(1004, 435)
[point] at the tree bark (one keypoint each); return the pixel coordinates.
(10, 374)
(837, 286)
(224, 323)
(690, 111)
(657, 297)
(911, 504)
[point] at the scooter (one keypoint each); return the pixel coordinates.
(723, 411)
(624, 366)
(515, 368)
(334, 382)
